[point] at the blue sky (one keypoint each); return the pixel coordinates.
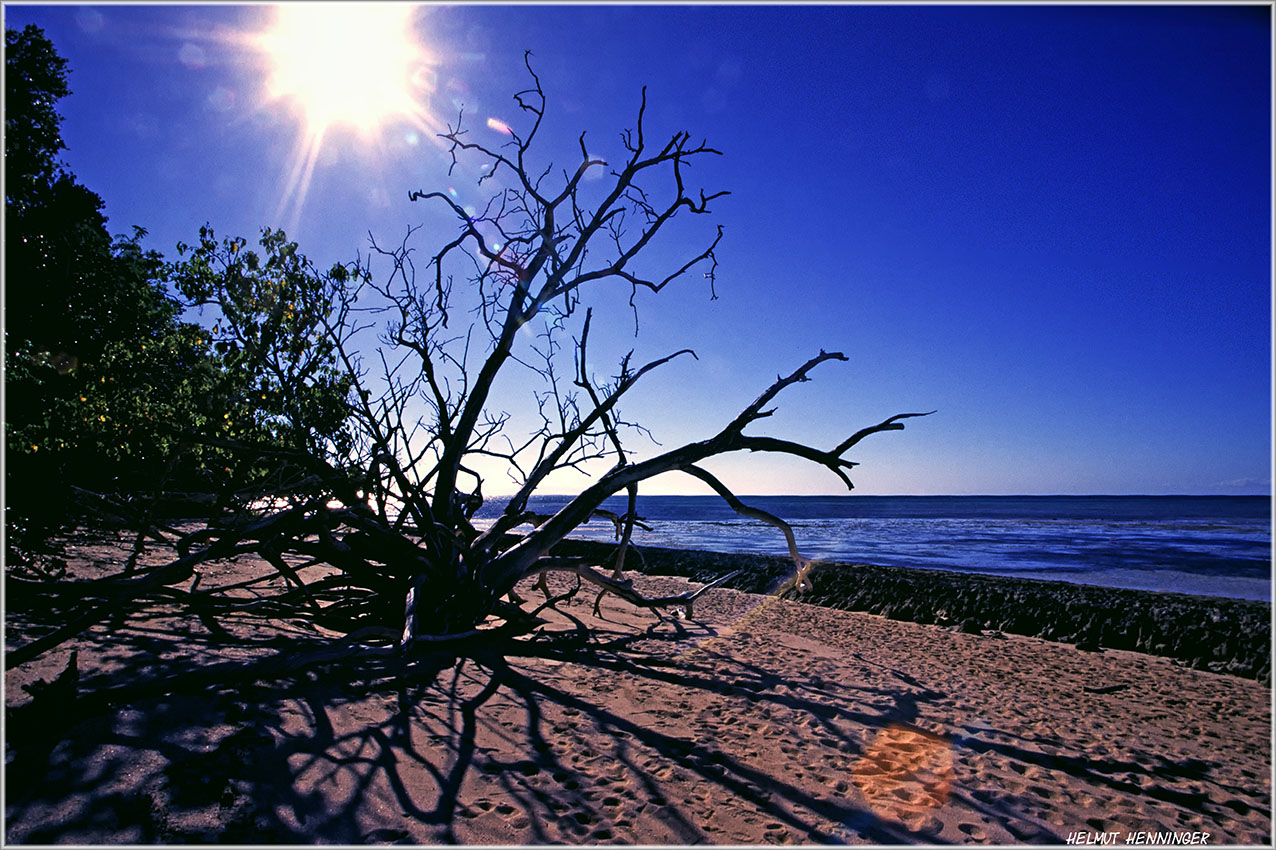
(1051, 223)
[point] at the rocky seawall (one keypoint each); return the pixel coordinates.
(1219, 634)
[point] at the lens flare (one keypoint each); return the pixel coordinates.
(904, 772)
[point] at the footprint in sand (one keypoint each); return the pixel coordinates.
(1024, 832)
(1238, 806)
(870, 767)
(926, 825)
(775, 833)
(908, 794)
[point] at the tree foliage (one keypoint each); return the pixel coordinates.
(89, 332)
(35, 80)
(107, 388)
(271, 309)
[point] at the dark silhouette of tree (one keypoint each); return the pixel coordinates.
(76, 305)
(35, 80)
(383, 503)
(107, 390)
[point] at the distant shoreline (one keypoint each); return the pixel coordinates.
(1212, 546)
(1219, 634)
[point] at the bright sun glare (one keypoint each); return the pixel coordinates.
(349, 64)
(357, 66)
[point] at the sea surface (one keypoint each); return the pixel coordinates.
(1207, 545)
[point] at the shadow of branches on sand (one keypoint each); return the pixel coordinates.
(172, 736)
(499, 745)
(615, 734)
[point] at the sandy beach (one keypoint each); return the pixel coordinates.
(757, 720)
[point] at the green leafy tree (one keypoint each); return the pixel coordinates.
(35, 80)
(86, 318)
(108, 389)
(283, 406)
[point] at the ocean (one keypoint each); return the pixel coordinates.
(1207, 545)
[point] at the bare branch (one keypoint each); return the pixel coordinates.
(624, 588)
(509, 566)
(892, 424)
(802, 564)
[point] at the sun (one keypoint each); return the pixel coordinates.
(355, 65)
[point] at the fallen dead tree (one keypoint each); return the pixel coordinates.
(374, 534)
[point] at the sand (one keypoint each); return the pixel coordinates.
(1214, 633)
(758, 721)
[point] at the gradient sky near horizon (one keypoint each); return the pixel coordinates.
(1051, 224)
